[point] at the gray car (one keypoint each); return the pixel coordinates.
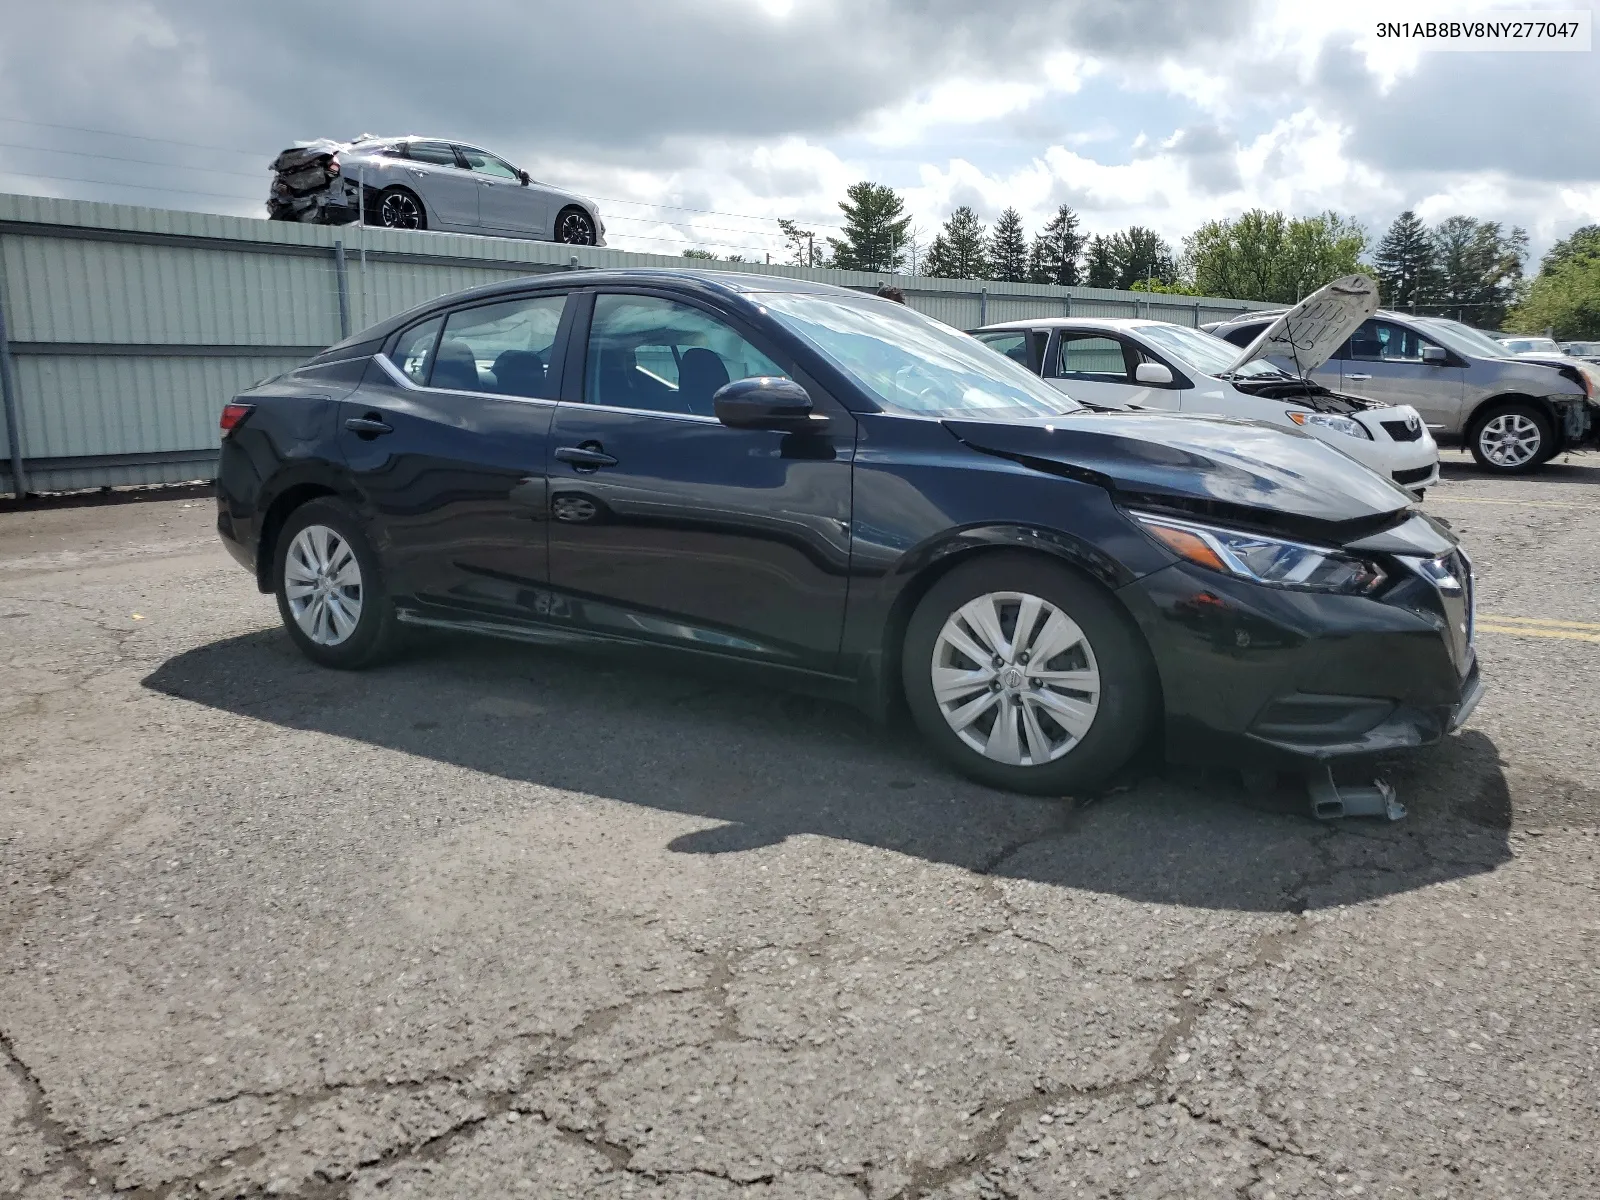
(1513, 413)
(426, 183)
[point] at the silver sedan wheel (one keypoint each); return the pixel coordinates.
(575, 229)
(399, 211)
(1015, 678)
(1509, 439)
(322, 582)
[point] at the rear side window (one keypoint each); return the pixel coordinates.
(1013, 344)
(413, 354)
(437, 153)
(1092, 358)
(502, 348)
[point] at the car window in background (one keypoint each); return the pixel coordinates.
(1243, 335)
(413, 354)
(1531, 345)
(1204, 352)
(488, 164)
(912, 364)
(437, 153)
(662, 356)
(1013, 343)
(1463, 339)
(1091, 357)
(1384, 341)
(502, 348)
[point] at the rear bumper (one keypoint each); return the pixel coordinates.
(1259, 676)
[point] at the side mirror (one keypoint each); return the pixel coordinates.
(1153, 373)
(766, 402)
(525, 177)
(1436, 356)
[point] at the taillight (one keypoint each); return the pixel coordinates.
(333, 166)
(233, 416)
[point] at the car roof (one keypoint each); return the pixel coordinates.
(1074, 322)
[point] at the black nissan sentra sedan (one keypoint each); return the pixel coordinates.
(859, 499)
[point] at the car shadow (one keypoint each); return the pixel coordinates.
(763, 766)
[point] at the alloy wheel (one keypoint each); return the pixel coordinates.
(1015, 678)
(400, 211)
(575, 229)
(322, 583)
(1509, 439)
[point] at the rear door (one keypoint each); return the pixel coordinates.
(1382, 361)
(447, 442)
(505, 203)
(448, 190)
(667, 525)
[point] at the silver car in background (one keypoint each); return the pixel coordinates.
(1514, 413)
(1589, 352)
(426, 183)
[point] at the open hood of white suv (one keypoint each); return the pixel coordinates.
(1307, 335)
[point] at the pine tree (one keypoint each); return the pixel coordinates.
(1008, 248)
(1480, 269)
(1056, 250)
(960, 249)
(1408, 263)
(1099, 265)
(874, 229)
(1140, 253)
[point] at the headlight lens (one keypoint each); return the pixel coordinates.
(1261, 559)
(1332, 421)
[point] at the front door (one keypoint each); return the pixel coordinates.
(1097, 369)
(1382, 361)
(505, 203)
(448, 447)
(448, 190)
(668, 526)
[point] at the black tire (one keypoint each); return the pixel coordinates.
(1128, 696)
(376, 631)
(1485, 438)
(574, 227)
(398, 208)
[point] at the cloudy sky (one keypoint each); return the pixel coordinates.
(1157, 112)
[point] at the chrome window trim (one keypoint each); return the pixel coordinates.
(643, 412)
(401, 379)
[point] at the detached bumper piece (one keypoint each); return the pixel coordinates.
(1330, 802)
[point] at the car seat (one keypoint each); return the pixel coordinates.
(519, 373)
(455, 367)
(700, 374)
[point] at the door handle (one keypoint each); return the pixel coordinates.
(586, 457)
(1355, 377)
(369, 427)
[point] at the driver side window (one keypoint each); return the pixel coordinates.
(661, 356)
(1384, 341)
(1092, 358)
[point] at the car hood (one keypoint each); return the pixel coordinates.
(1249, 472)
(1312, 330)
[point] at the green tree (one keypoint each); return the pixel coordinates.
(1565, 296)
(1056, 250)
(1140, 253)
(960, 249)
(875, 227)
(1099, 265)
(1008, 248)
(1407, 262)
(1262, 255)
(800, 243)
(1480, 269)
(696, 252)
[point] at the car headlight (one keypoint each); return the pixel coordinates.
(1332, 421)
(1275, 562)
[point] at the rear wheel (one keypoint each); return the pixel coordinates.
(1026, 676)
(399, 208)
(330, 589)
(575, 228)
(1509, 439)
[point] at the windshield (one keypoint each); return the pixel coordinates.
(913, 365)
(1200, 351)
(1531, 345)
(1464, 339)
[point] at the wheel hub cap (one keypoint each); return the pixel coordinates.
(1015, 678)
(322, 584)
(1510, 439)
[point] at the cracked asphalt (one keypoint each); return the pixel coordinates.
(503, 921)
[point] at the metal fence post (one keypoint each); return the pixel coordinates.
(1197, 314)
(344, 288)
(983, 306)
(1067, 303)
(10, 399)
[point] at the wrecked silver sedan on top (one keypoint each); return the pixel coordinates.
(425, 183)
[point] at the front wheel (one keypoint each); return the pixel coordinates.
(575, 227)
(330, 589)
(1027, 676)
(1512, 438)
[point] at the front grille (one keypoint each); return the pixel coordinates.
(1402, 431)
(1413, 474)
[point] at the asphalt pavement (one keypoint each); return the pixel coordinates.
(504, 921)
